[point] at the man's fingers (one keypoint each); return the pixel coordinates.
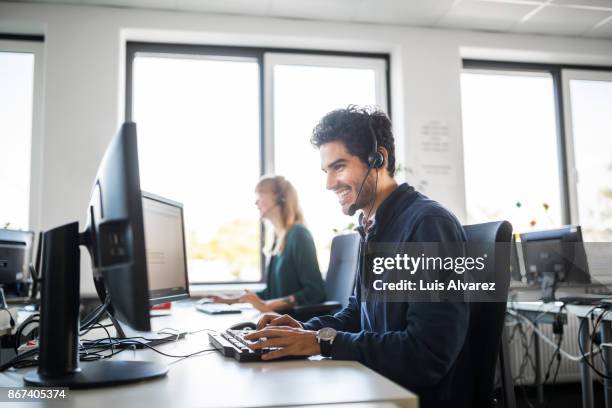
(285, 320)
(277, 354)
(272, 342)
(269, 332)
(266, 319)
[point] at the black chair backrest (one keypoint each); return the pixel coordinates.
(340, 279)
(487, 319)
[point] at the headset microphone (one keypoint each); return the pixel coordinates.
(353, 208)
(375, 161)
(280, 198)
(268, 210)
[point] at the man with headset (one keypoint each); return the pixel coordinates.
(414, 344)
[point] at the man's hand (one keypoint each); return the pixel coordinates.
(274, 319)
(292, 342)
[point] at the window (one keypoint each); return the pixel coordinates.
(19, 125)
(201, 112)
(305, 89)
(198, 126)
(511, 149)
(589, 127)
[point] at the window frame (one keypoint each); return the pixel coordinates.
(32, 44)
(266, 108)
(565, 152)
(272, 59)
(566, 76)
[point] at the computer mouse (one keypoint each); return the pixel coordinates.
(243, 325)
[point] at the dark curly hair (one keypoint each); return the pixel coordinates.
(351, 127)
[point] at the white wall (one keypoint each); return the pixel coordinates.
(84, 82)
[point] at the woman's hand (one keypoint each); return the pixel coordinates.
(222, 299)
(256, 301)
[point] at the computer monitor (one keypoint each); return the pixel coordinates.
(115, 239)
(165, 247)
(555, 257)
(15, 258)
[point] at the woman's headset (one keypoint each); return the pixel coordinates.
(279, 191)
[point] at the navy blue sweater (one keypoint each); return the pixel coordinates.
(414, 344)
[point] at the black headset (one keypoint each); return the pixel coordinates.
(375, 158)
(280, 195)
(375, 161)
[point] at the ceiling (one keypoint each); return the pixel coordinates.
(577, 18)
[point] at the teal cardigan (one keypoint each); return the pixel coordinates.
(295, 271)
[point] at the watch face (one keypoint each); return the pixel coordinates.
(327, 333)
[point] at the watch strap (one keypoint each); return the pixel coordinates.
(326, 347)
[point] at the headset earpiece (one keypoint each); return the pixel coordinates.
(279, 191)
(375, 158)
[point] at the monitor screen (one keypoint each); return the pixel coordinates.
(165, 249)
(15, 257)
(559, 251)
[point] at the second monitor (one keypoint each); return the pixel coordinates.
(554, 257)
(165, 249)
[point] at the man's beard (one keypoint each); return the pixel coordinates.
(368, 194)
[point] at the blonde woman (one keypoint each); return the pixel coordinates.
(293, 275)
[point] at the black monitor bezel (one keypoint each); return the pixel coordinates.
(558, 234)
(169, 295)
(11, 237)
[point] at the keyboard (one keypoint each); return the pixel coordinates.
(232, 343)
(217, 308)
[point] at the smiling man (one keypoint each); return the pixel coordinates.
(415, 344)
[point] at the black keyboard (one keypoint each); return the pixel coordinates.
(232, 343)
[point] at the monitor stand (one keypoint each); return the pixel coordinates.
(549, 286)
(59, 323)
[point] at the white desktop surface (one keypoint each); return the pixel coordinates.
(211, 380)
(554, 307)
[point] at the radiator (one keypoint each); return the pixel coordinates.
(569, 371)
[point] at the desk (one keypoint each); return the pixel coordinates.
(211, 380)
(539, 312)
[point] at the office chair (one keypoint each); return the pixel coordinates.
(339, 282)
(475, 376)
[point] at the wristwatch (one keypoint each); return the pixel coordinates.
(325, 337)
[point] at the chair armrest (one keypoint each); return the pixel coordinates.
(318, 309)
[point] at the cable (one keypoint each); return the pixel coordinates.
(97, 325)
(581, 346)
(592, 337)
(547, 340)
(556, 355)
(94, 315)
(135, 340)
(11, 320)
(374, 200)
(94, 350)
(201, 330)
(558, 329)
(18, 358)
(526, 344)
(30, 320)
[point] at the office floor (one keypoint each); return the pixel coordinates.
(563, 396)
